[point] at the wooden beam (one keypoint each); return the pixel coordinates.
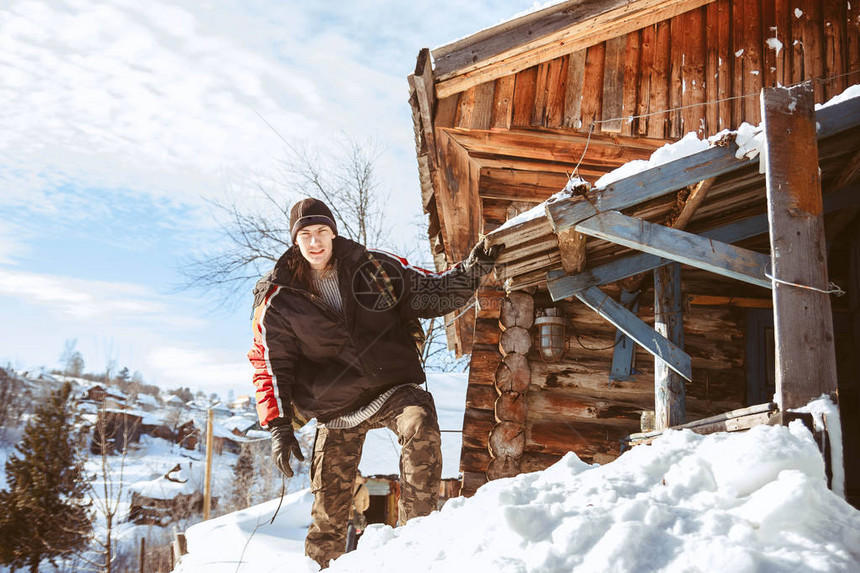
(733, 421)
(669, 393)
(624, 355)
(803, 323)
(523, 145)
(545, 35)
(650, 184)
(635, 328)
(694, 250)
(563, 286)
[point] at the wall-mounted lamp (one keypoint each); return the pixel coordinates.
(549, 335)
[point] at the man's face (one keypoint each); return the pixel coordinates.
(315, 244)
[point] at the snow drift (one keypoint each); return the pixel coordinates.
(744, 502)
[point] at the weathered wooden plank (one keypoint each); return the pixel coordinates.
(804, 370)
(613, 85)
(633, 327)
(852, 40)
(465, 107)
(631, 83)
(834, 12)
(676, 82)
(557, 92)
(573, 94)
(446, 111)
(768, 52)
(503, 103)
(782, 33)
(813, 61)
(670, 406)
(694, 250)
(623, 355)
(477, 425)
(551, 33)
(646, 58)
(524, 97)
(483, 107)
(550, 91)
(542, 82)
(737, 58)
(693, 73)
(592, 94)
(724, 65)
(752, 60)
(659, 84)
(735, 420)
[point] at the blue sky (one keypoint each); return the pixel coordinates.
(120, 118)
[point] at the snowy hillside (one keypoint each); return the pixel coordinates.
(160, 470)
(740, 503)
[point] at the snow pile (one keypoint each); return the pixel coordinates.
(748, 502)
(687, 145)
(740, 503)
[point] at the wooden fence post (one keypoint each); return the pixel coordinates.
(803, 323)
(207, 486)
(669, 391)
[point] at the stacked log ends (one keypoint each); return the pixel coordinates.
(513, 375)
(515, 339)
(518, 309)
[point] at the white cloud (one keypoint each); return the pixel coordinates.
(90, 300)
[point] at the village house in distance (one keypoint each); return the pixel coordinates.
(692, 288)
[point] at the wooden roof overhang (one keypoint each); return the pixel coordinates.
(543, 35)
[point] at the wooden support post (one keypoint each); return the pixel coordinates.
(207, 485)
(803, 323)
(142, 553)
(669, 393)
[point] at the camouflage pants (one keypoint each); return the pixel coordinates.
(409, 413)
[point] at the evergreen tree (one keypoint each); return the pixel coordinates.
(44, 515)
(243, 478)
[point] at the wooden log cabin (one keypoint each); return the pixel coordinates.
(502, 120)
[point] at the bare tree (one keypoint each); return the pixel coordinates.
(256, 236)
(112, 434)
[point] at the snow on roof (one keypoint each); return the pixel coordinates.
(740, 502)
(240, 423)
(163, 488)
(147, 399)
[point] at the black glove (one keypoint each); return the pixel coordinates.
(483, 256)
(284, 443)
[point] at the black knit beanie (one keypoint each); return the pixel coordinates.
(310, 211)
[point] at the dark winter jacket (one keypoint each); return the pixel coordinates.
(325, 364)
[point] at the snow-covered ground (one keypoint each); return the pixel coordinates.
(735, 503)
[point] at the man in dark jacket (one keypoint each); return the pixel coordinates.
(335, 328)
